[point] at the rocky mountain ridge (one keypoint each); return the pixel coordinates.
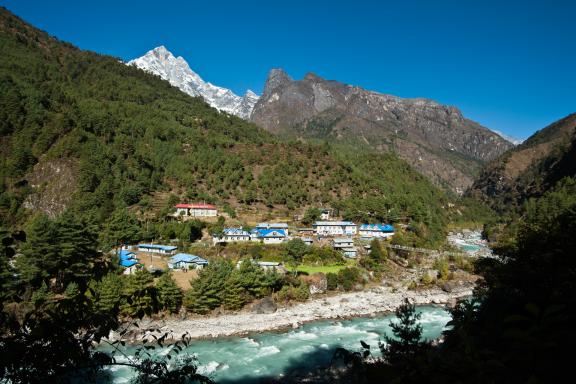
(177, 72)
(530, 169)
(436, 139)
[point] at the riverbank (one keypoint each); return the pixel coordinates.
(379, 300)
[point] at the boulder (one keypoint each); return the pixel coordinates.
(317, 283)
(449, 286)
(265, 305)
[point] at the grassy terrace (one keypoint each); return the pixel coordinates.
(310, 269)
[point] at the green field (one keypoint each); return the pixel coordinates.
(310, 269)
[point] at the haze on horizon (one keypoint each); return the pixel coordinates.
(507, 66)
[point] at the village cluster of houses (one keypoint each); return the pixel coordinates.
(341, 231)
(183, 261)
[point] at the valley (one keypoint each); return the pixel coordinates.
(157, 227)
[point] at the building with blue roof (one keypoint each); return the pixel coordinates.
(381, 231)
(230, 235)
(128, 261)
(335, 228)
(186, 261)
(268, 236)
(157, 248)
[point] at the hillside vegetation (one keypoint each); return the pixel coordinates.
(84, 132)
(530, 169)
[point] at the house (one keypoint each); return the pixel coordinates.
(128, 261)
(157, 248)
(335, 228)
(342, 243)
(186, 261)
(325, 214)
(276, 226)
(346, 246)
(306, 231)
(266, 265)
(308, 240)
(268, 236)
(272, 266)
(349, 252)
(376, 230)
(196, 210)
(230, 235)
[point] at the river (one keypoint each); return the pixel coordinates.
(272, 354)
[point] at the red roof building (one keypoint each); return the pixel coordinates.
(196, 210)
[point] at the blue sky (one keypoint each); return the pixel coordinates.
(509, 65)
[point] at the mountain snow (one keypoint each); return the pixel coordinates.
(176, 70)
(510, 139)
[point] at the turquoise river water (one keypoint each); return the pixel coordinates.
(272, 354)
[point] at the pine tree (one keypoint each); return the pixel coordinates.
(139, 296)
(121, 228)
(109, 293)
(169, 294)
(77, 252)
(406, 343)
(234, 294)
(39, 259)
(203, 297)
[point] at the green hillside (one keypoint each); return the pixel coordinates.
(85, 132)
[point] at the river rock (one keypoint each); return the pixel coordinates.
(317, 283)
(265, 305)
(449, 286)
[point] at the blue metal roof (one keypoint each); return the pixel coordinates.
(377, 227)
(158, 246)
(269, 232)
(235, 232)
(187, 258)
(128, 263)
(126, 254)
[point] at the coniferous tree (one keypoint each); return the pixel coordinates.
(169, 294)
(40, 257)
(139, 295)
(406, 343)
(234, 293)
(109, 293)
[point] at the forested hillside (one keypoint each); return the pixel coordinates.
(530, 169)
(84, 132)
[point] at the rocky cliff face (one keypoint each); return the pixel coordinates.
(530, 169)
(176, 70)
(436, 139)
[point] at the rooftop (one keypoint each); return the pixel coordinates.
(235, 232)
(187, 258)
(333, 223)
(272, 225)
(128, 263)
(347, 240)
(377, 227)
(158, 246)
(195, 206)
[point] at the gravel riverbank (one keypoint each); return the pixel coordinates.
(346, 305)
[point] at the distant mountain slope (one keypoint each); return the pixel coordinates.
(85, 132)
(176, 70)
(529, 169)
(435, 139)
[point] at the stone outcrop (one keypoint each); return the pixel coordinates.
(434, 138)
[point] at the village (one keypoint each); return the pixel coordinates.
(347, 238)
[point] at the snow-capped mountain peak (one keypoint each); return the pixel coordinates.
(160, 61)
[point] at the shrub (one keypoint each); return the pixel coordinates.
(331, 281)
